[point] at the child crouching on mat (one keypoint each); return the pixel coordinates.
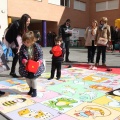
(30, 50)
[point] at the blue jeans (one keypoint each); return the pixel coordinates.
(66, 45)
(7, 53)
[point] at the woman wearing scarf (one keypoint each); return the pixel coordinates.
(103, 35)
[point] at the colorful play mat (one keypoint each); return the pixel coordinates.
(80, 94)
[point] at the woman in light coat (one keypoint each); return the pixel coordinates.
(90, 34)
(104, 33)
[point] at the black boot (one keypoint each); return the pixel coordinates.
(50, 78)
(30, 92)
(34, 93)
(67, 57)
(2, 93)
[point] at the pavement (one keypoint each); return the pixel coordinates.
(77, 55)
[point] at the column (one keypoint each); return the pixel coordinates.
(9, 20)
(44, 33)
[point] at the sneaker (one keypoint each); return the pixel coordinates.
(50, 78)
(58, 78)
(96, 64)
(103, 64)
(69, 66)
(2, 93)
(13, 75)
(67, 61)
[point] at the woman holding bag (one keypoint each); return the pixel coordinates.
(13, 37)
(103, 35)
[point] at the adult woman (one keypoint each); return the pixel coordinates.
(13, 36)
(104, 34)
(90, 34)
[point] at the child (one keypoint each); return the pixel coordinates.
(56, 60)
(3, 65)
(30, 50)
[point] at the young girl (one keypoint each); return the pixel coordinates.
(30, 51)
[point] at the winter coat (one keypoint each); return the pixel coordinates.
(65, 36)
(104, 33)
(38, 55)
(12, 33)
(89, 37)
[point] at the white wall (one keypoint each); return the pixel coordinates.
(56, 2)
(3, 17)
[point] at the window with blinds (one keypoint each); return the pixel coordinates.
(78, 5)
(108, 5)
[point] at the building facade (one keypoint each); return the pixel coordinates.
(48, 15)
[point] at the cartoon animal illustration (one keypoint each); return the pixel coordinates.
(100, 87)
(61, 103)
(88, 95)
(14, 102)
(68, 89)
(113, 102)
(12, 82)
(23, 87)
(28, 113)
(92, 111)
(95, 78)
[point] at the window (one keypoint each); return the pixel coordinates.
(60, 2)
(108, 5)
(79, 5)
(65, 3)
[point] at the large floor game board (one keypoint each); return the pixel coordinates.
(80, 94)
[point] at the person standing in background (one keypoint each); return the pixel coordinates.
(13, 37)
(90, 34)
(118, 37)
(65, 34)
(113, 37)
(103, 32)
(49, 39)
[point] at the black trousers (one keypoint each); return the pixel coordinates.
(101, 49)
(15, 60)
(56, 65)
(91, 53)
(113, 43)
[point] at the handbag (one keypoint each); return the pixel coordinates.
(32, 66)
(102, 41)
